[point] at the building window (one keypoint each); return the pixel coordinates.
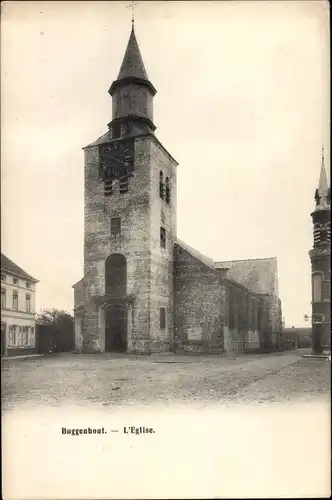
(15, 300)
(3, 298)
(161, 185)
(20, 336)
(108, 187)
(326, 290)
(115, 226)
(124, 184)
(28, 302)
(162, 217)
(12, 334)
(168, 191)
(3, 277)
(25, 336)
(162, 237)
(32, 337)
(15, 281)
(317, 287)
(28, 285)
(162, 318)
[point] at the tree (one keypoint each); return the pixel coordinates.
(60, 327)
(53, 317)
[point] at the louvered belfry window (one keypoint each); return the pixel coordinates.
(124, 184)
(108, 187)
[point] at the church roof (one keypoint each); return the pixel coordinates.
(257, 275)
(103, 139)
(9, 266)
(195, 253)
(132, 65)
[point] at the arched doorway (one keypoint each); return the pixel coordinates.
(116, 306)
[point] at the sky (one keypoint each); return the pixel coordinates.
(242, 104)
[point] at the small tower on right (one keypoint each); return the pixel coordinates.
(320, 257)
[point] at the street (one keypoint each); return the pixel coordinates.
(106, 379)
(200, 439)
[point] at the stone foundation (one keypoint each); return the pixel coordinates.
(90, 346)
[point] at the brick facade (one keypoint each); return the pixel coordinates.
(320, 257)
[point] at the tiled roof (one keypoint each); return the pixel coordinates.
(103, 139)
(77, 282)
(258, 275)
(10, 267)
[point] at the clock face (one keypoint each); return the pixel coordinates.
(116, 159)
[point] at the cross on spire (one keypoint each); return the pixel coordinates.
(132, 6)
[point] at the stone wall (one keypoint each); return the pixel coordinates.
(78, 292)
(200, 304)
(162, 214)
(242, 333)
(270, 323)
(149, 267)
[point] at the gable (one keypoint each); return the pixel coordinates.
(9, 266)
(258, 275)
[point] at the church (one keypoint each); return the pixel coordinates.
(145, 291)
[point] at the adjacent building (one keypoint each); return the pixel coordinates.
(18, 290)
(320, 257)
(143, 289)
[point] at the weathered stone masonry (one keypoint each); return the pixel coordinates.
(143, 290)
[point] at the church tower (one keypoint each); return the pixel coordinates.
(129, 223)
(320, 257)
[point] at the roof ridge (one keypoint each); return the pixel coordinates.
(246, 260)
(196, 253)
(10, 266)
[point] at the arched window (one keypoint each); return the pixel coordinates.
(116, 276)
(317, 279)
(168, 191)
(161, 185)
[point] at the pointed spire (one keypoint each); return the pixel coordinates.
(132, 65)
(322, 185)
(322, 194)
